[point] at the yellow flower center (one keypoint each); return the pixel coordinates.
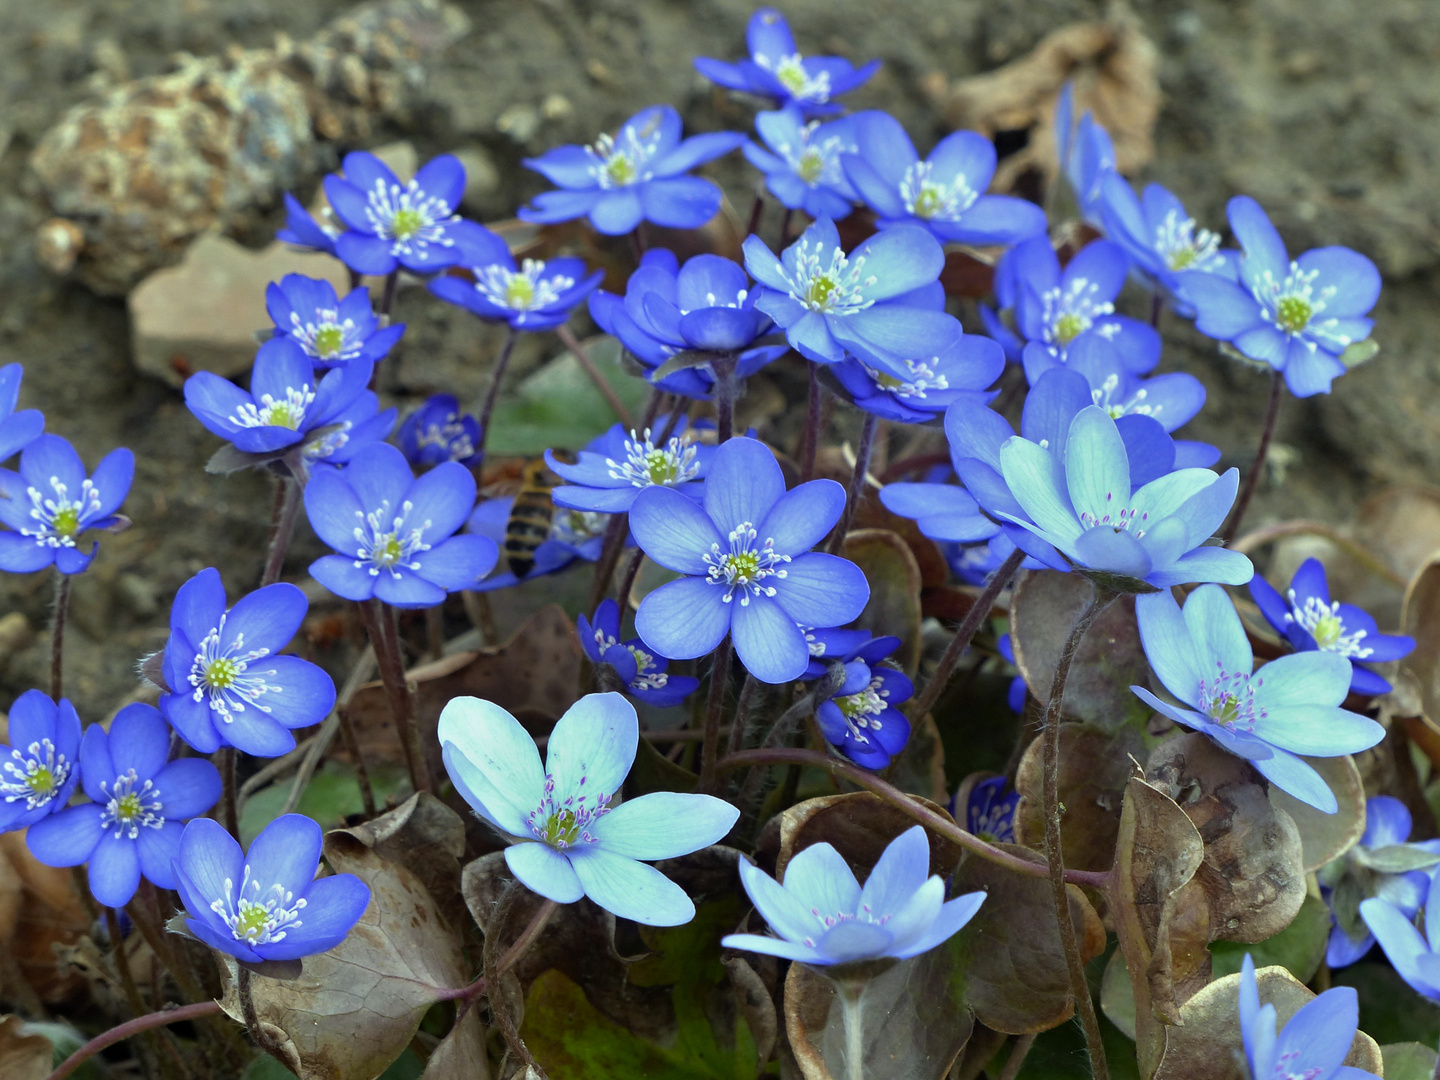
(388, 550)
(1293, 313)
(621, 170)
(560, 829)
(1327, 631)
(811, 165)
(41, 781)
(927, 203)
(67, 521)
(127, 807)
(328, 341)
(1068, 328)
(406, 223)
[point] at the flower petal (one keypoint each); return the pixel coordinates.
(767, 641)
(664, 825)
(673, 530)
(1221, 647)
(823, 590)
(287, 852)
(503, 762)
(543, 870)
(630, 889)
(333, 906)
(592, 747)
(1294, 777)
(158, 848)
(821, 880)
(745, 482)
(684, 619)
(114, 870)
(803, 516)
(67, 838)
(904, 866)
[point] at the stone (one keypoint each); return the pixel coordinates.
(203, 314)
(482, 178)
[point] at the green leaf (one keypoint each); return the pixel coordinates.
(1408, 1061)
(1348, 893)
(1298, 948)
(332, 795)
(1359, 352)
(1396, 858)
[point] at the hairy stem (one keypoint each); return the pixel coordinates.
(227, 762)
(822, 690)
(362, 774)
(857, 482)
(978, 613)
(616, 531)
(121, 1032)
(627, 582)
(710, 745)
(57, 633)
(850, 994)
(1252, 478)
(288, 504)
(809, 442)
(1054, 855)
(941, 825)
(493, 394)
(725, 389)
(380, 626)
(742, 714)
(757, 208)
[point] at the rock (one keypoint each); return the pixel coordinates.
(58, 243)
(137, 594)
(15, 634)
(203, 314)
(482, 178)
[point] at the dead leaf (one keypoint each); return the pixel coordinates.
(1327, 836)
(920, 767)
(859, 825)
(426, 837)
(461, 1054)
(894, 576)
(755, 1004)
(1420, 618)
(51, 915)
(23, 1056)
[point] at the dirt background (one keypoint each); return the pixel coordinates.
(1324, 110)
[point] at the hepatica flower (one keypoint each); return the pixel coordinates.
(802, 162)
(1085, 153)
(17, 429)
(139, 804)
(1297, 316)
(1312, 1044)
(618, 465)
(394, 533)
(748, 567)
(1307, 618)
(872, 303)
(329, 330)
(642, 672)
(229, 685)
(568, 836)
(1082, 503)
(776, 69)
(1382, 864)
(968, 367)
(267, 903)
(707, 305)
(1290, 706)
(437, 432)
(390, 224)
(535, 295)
(822, 917)
(990, 810)
(303, 231)
(944, 193)
(861, 720)
(634, 176)
(41, 766)
(50, 503)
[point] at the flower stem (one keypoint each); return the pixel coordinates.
(614, 544)
(941, 825)
(288, 513)
(587, 365)
(1157, 308)
(387, 296)
(380, 625)
(245, 992)
(978, 613)
(1018, 1053)
(742, 714)
(809, 442)
(1054, 854)
(784, 234)
(57, 632)
(121, 1032)
(724, 368)
(1252, 478)
(493, 394)
(850, 994)
(226, 761)
(757, 209)
(710, 745)
(632, 571)
(857, 482)
(512, 955)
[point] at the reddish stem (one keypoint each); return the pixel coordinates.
(121, 1032)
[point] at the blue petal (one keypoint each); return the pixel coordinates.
(680, 202)
(1353, 277)
(286, 853)
(267, 618)
(189, 786)
(67, 838)
(139, 740)
(157, 850)
(1224, 310)
(767, 641)
(630, 889)
(1292, 776)
(114, 870)
(1387, 821)
(822, 590)
(672, 530)
(408, 590)
(209, 856)
(192, 721)
(544, 870)
(458, 563)
(696, 151)
(52, 458)
(341, 576)
(745, 482)
(1264, 250)
(334, 905)
(593, 744)
(254, 733)
(96, 765)
(1402, 943)
(901, 260)
(304, 694)
(684, 619)
(616, 212)
(801, 518)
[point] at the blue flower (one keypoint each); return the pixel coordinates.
(968, 367)
(41, 765)
(1081, 502)
(822, 916)
(748, 564)
(1416, 959)
(1056, 307)
(1017, 692)
(267, 903)
(1314, 1042)
(1306, 617)
(437, 432)
(829, 644)
(390, 224)
(1005, 283)
(802, 167)
(878, 303)
(990, 809)
(566, 839)
(944, 193)
(777, 71)
(50, 503)
(352, 429)
(303, 231)
(1297, 316)
(642, 673)
(574, 534)
(1382, 864)
(1288, 707)
(394, 532)
(17, 429)
(616, 466)
(331, 331)
(1085, 154)
(706, 305)
(860, 720)
(286, 401)
(537, 295)
(618, 182)
(1172, 399)
(228, 685)
(1161, 238)
(140, 802)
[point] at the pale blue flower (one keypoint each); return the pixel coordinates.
(1314, 1041)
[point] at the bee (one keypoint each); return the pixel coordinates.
(531, 516)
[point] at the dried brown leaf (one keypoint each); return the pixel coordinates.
(1326, 836)
(859, 825)
(1420, 618)
(426, 837)
(461, 1054)
(755, 1004)
(22, 1056)
(895, 581)
(51, 915)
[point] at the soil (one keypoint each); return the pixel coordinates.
(1325, 112)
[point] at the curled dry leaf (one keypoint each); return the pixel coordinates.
(426, 837)
(49, 914)
(753, 1000)
(533, 675)
(1327, 836)
(920, 767)
(355, 1008)
(1206, 1044)
(1095, 766)
(1007, 962)
(895, 582)
(1420, 618)
(1109, 661)
(23, 1056)
(461, 1054)
(1113, 65)
(859, 825)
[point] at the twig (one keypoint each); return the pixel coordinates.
(582, 357)
(710, 745)
(857, 482)
(1252, 478)
(378, 625)
(632, 571)
(488, 405)
(57, 633)
(274, 770)
(1018, 1053)
(320, 742)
